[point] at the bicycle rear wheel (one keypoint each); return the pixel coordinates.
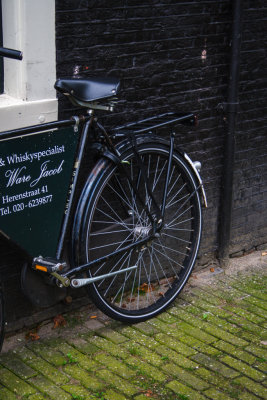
(112, 217)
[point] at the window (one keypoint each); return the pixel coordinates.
(29, 97)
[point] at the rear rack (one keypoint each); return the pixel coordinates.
(155, 122)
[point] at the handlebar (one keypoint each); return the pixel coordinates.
(10, 53)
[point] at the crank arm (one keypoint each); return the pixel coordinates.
(63, 280)
(76, 283)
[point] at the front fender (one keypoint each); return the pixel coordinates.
(196, 168)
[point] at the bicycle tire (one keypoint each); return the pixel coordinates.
(110, 216)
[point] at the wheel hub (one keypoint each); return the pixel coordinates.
(142, 231)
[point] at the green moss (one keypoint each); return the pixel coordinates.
(181, 390)
(118, 383)
(178, 359)
(115, 365)
(112, 335)
(243, 368)
(77, 392)
(5, 394)
(47, 353)
(112, 395)
(87, 380)
(251, 386)
(17, 366)
(174, 344)
(185, 376)
(236, 352)
(15, 384)
(48, 371)
(215, 365)
(136, 349)
(106, 345)
(146, 369)
(48, 388)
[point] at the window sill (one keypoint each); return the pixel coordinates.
(16, 113)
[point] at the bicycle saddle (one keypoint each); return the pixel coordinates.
(88, 90)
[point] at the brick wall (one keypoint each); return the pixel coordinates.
(250, 185)
(170, 56)
(174, 55)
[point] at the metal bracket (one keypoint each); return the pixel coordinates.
(77, 121)
(228, 107)
(94, 105)
(111, 156)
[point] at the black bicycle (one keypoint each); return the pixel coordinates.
(131, 235)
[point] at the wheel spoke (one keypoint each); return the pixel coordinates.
(112, 269)
(162, 269)
(111, 244)
(178, 229)
(164, 248)
(181, 206)
(176, 238)
(109, 222)
(168, 226)
(133, 195)
(114, 220)
(108, 233)
(152, 263)
(115, 213)
(168, 258)
(157, 180)
(133, 286)
(180, 215)
(149, 287)
(176, 194)
(170, 204)
(174, 183)
(127, 275)
(170, 249)
(121, 243)
(120, 197)
(115, 277)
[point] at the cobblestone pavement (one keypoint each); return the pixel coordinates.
(211, 344)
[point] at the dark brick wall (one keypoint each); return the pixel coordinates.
(170, 55)
(250, 184)
(174, 55)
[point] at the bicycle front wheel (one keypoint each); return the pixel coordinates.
(114, 217)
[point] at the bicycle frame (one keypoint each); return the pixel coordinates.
(111, 152)
(136, 177)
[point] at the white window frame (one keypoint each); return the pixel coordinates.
(29, 96)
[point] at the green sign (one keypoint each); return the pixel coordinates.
(35, 177)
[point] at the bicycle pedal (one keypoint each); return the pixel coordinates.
(48, 265)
